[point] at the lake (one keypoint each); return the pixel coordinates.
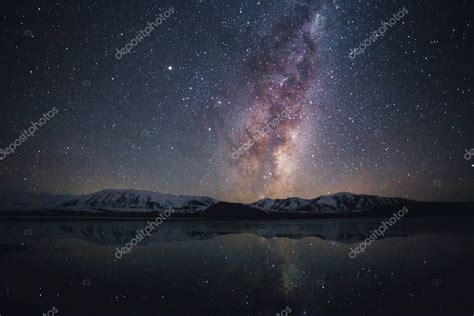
(195, 267)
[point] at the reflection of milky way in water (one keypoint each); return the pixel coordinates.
(233, 274)
(282, 75)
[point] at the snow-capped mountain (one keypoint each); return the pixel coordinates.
(129, 202)
(327, 204)
(348, 202)
(133, 200)
(112, 200)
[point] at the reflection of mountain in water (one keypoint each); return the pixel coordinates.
(101, 235)
(121, 236)
(340, 230)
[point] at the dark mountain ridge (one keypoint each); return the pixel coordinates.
(134, 203)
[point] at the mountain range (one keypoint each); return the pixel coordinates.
(134, 203)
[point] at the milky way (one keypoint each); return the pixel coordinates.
(282, 76)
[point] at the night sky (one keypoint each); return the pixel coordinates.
(167, 116)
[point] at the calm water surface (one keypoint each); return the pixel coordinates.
(420, 267)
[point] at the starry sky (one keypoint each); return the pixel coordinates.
(168, 116)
